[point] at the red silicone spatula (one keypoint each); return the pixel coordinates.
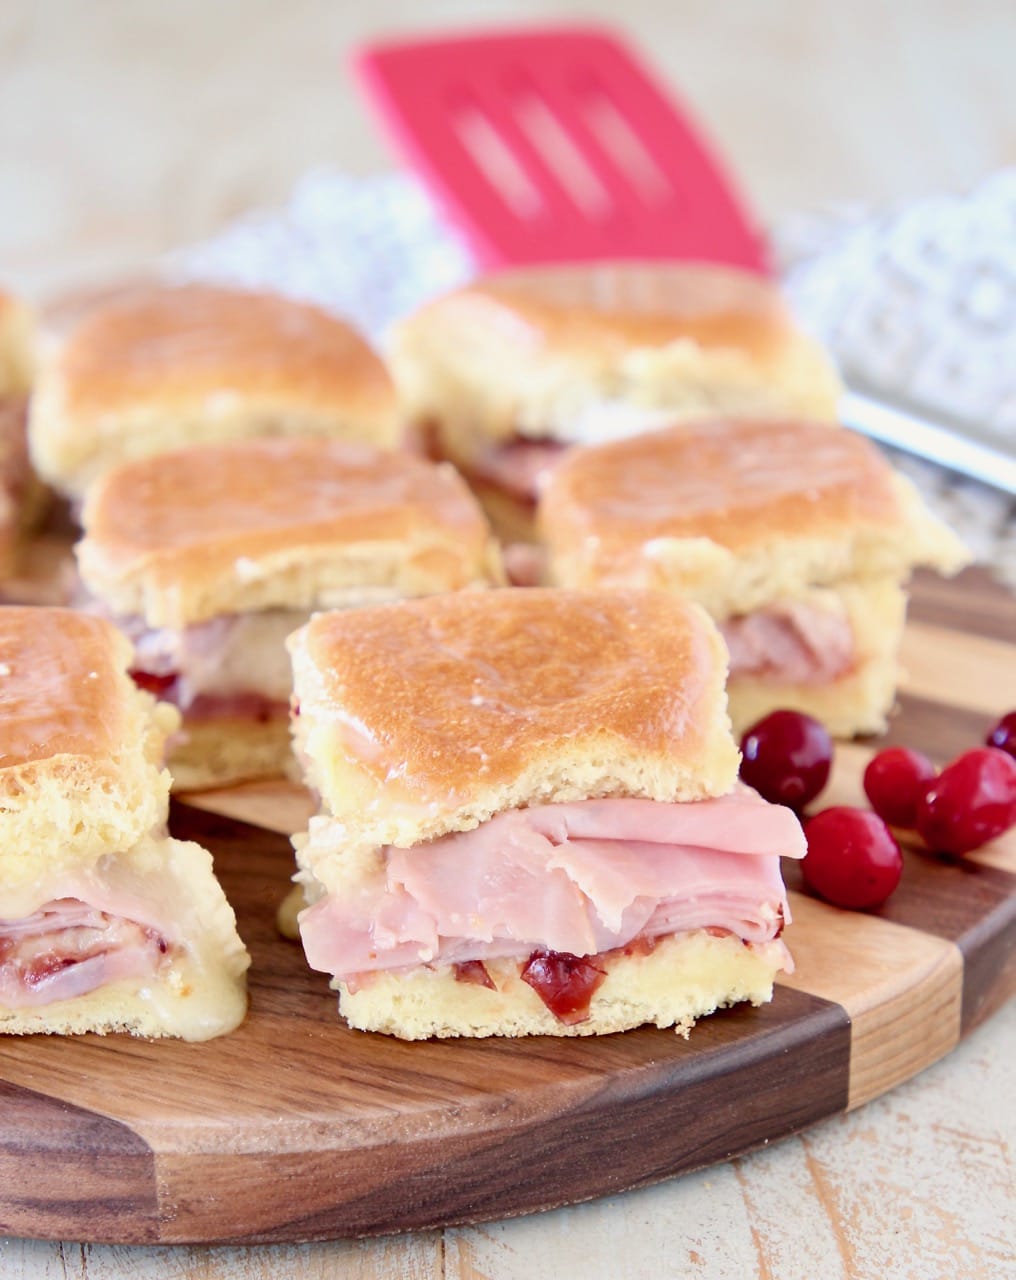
(556, 145)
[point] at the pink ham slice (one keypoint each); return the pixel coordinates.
(523, 564)
(517, 468)
(68, 948)
(580, 878)
(235, 706)
(205, 708)
(793, 642)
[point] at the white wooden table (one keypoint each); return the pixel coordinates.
(127, 130)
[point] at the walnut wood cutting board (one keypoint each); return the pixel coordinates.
(294, 1128)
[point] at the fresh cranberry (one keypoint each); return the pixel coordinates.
(972, 801)
(852, 859)
(894, 782)
(1003, 735)
(786, 757)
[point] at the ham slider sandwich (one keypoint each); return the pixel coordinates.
(20, 494)
(174, 366)
(530, 817)
(210, 556)
(795, 538)
(502, 376)
(106, 924)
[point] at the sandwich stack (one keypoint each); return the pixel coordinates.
(798, 541)
(531, 821)
(106, 924)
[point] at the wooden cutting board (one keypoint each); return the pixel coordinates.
(295, 1128)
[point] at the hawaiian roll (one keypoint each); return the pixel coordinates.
(106, 924)
(209, 556)
(530, 817)
(173, 366)
(797, 540)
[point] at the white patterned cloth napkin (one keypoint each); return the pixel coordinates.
(372, 249)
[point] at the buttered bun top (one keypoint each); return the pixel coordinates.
(429, 716)
(256, 524)
(736, 513)
(80, 745)
(591, 352)
(62, 686)
(198, 364)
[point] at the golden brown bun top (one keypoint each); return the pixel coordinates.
(62, 685)
(166, 345)
(441, 711)
(615, 305)
(581, 354)
(736, 514)
(736, 483)
(226, 513)
(253, 495)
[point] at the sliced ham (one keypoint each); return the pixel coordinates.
(795, 642)
(523, 564)
(231, 667)
(207, 707)
(232, 655)
(67, 948)
(517, 467)
(580, 878)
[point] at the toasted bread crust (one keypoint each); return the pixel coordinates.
(540, 352)
(736, 514)
(298, 523)
(80, 745)
(219, 753)
(191, 364)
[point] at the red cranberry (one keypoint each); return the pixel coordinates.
(786, 757)
(1003, 735)
(852, 859)
(972, 801)
(160, 686)
(894, 782)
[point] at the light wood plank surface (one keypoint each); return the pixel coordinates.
(897, 1028)
(127, 130)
